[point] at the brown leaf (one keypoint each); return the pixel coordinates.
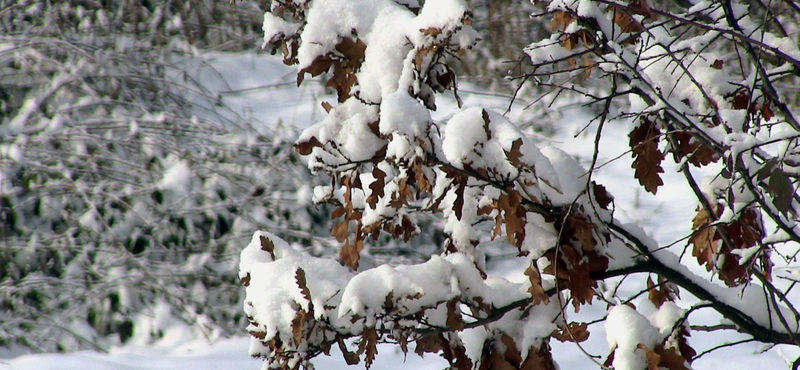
(575, 332)
(300, 279)
(660, 294)
(428, 343)
(515, 155)
(497, 362)
(327, 106)
(350, 254)
(539, 359)
(486, 122)
(640, 7)
(458, 205)
(454, 320)
(353, 51)
(321, 64)
(647, 156)
(340, 231)
(268, 246)
(670, 358)
(624, 20)
(369, 345)
(704, 239)
(351, 358)
(602, 196)
(298, 325)
(741, 100)
(377, 187)
(514, 216)
(512, 355)
(766, 110)
(653, 359)
(338, 212)
(432, 31)
(462, 361)
(561, 20)
(245, 280)
(536, 290)
(717, 64)
(578, 227)
(699, 153)
(305, 147)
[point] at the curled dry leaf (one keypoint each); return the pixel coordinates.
(647, 157)
(267, 246)
(576, 332)
(538, 295)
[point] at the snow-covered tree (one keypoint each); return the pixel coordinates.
(126, 188)
(707, 83)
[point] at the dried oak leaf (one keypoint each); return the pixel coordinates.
(454, 320)
(766, 110)
(601, 195)
(699, 153)
(653, 359)
(428, 343)
(515, 155)
(624, 20)
(299, 324)
(705, 238)
(351, 358)
(514, 215)
(561, 20)
(495, 360)
(431, 31)
(340, 231)
(300, 279)
(647, 156)
(741, 100)
(512, 355)
(458, 205)
(268, 246)
(662, 293)
(305, 147)
(539, 359)
(350, 254)
(321, 64)
(369, 345)
(538, 295)
(377, 187)
(579, 228)
(670, 358)
(573, 332)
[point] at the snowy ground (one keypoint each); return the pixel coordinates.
(260, 88)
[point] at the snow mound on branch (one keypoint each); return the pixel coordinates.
(626, 329)
(345, 302)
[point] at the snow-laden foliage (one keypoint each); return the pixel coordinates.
(126, 190)
(701, 80)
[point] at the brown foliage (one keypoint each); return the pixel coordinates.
(647, 157)
(714, 244)
(572, 332)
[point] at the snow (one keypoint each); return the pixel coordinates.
(177, 178)
(274, 281)
(626, 329)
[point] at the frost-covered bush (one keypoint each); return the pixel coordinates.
(126, 190)
(702, 81)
